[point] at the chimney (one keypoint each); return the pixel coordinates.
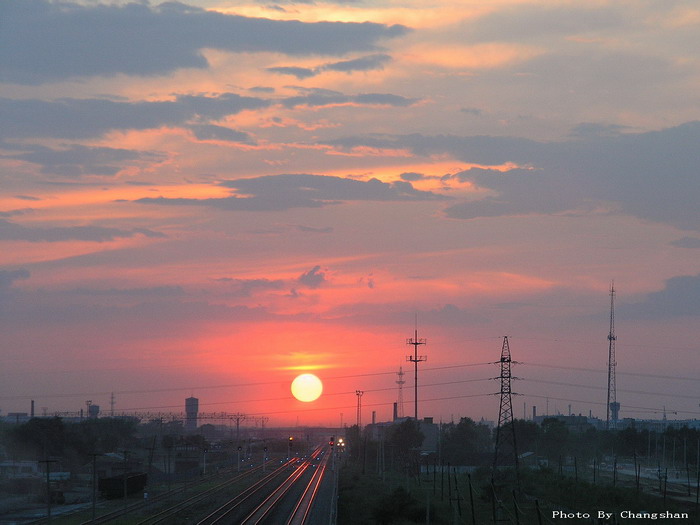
(396, 411)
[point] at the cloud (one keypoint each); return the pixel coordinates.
(153, 291)
(310, 229)
(412, 176)
(87, 118)
(679, 298)
(27, 197)
(320, 99)
(299, 72)
(314, 278)
(651, 175)
(687, 242)
(535, 22)
(10, 231)
(8, 277)
(365, 63)
(78, 160)
(14, 213)
(211, 132)
(247, 287)
(283, 192)
(43, 41)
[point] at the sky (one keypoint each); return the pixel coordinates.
(211, 197)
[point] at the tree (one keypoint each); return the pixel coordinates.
(38, 438)
(405, 439)
(555, 438)
(465, 442)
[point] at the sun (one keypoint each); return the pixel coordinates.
(307, 388)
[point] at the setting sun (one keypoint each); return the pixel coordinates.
(307, 387)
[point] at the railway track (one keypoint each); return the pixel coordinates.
(302, 510)
(266, 502)
(185, 502)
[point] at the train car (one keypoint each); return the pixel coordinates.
(113, 487)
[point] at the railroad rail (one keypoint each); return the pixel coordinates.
(266, 500)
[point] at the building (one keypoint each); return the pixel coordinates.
(191, 410)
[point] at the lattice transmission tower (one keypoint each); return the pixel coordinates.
(613, 407)
(506, 451)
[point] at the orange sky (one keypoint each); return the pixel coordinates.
(277, 191)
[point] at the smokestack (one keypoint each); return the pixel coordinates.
(32, 410)
(396, 411)
(534, 412)
(374, 416)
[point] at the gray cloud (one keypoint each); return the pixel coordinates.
(79, 160)
(412, 176)
(155, 291)
(247, 287)
(282, 192)
(27, 198)
(42, 41)
(10, 231)
(310, 229)
(8, 277)
(314, 278)
(533, 22)
(687, 242)
(366, 63)
(319, 99)
(299, 72)
(212, 132)
(679, 298)
(14, 213)
(87, 118)
(651, 175)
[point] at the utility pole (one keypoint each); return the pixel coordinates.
(238, 417)
(613, 407)
(359, 393)
(48, 487)
(94, 483)
(506, 450)
(415, 359)
(400, 382)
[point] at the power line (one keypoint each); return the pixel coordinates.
(592, 387)
(287, 398)
(644, 409)
(227, 385)
(599, 370)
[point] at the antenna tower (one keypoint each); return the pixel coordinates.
(506, 452)
(111, 405)
(400, 382)
(415, 359)
(613, 407)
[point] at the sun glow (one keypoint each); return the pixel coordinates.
(307, 388)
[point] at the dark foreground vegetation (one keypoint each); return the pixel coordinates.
(564, 474)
